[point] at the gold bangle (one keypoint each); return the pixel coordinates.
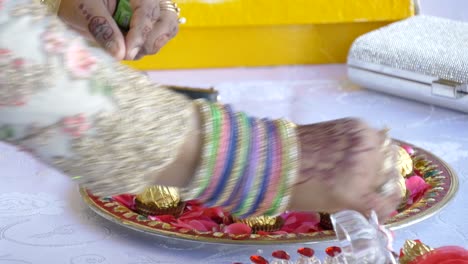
(52, 5)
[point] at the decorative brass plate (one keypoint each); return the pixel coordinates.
(443, 181)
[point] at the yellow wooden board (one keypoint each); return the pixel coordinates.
(271, 32)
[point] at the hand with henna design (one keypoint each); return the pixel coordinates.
(342, 164)
(150, 28)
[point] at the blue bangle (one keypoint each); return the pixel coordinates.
(237, 189)
(251, 166)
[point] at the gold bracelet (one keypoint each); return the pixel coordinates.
(52, 5)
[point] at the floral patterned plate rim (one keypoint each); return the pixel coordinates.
(443, 186)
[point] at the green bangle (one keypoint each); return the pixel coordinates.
(123, 14)
(217, 117)
(211, 119)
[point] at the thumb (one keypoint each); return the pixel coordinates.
(103, 28)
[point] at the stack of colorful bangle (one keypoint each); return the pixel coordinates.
(247, 165)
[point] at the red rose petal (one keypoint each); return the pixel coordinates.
(163, 218)
(306, 227)
(193, 205)
(126, 200)
(333, 251)
(191, 215)
(300, 222)
(214, 212)
(258, 259)
(281, 254)
(182, 224)
(238, 229)
(264, 233)
(217, 214)
(306, 252)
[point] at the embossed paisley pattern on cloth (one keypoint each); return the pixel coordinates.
(22, 204)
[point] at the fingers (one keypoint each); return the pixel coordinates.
(386, 206)
(383, 206)
(145, 15)
(103, 27)
(164, 30)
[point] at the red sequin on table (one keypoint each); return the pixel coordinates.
(306, 252)
(281, 254)
(333, 251)
(258, 259)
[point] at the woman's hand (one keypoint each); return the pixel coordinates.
(346, 165)
(150, 28)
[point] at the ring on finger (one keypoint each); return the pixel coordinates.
(167, 5)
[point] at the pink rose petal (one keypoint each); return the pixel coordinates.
(198, 225)
(408, 149)
(203, 225)
(416, 187)
(238, 229)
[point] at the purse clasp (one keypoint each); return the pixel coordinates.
(449, 89)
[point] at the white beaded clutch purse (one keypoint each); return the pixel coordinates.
(421, 58)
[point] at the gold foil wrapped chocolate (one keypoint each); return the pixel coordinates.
(263, 223)
(404, 162)
(403, 192)
(159, 200)
(402, 186)
(413, 249)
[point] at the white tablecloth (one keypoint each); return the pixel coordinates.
(43, 219)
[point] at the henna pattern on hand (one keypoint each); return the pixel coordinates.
(100, 28)
(84, 12)
(329, 147)
(160, 42)
(145, 32)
